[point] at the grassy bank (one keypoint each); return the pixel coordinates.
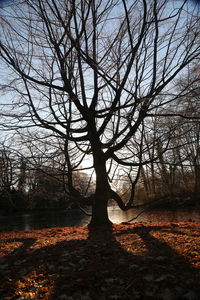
(139, 261)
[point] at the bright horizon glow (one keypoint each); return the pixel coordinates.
(86, 166)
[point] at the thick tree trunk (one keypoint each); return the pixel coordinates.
(102, 192)
(100, 211)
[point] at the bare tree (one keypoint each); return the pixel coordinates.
(92, 73)
(7, 172)
(9, 165)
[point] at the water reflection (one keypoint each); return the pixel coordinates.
(118, 216)
(37, 220)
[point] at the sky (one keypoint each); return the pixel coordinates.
(3, 2)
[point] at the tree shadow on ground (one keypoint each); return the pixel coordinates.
(99, 267)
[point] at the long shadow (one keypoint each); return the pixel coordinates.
(17, 252)
(12, 266)
(99, 268)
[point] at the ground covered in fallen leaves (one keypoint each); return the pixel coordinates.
(126, 261)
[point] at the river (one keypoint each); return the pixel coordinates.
(38, 220)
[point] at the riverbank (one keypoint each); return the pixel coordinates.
(135, 261)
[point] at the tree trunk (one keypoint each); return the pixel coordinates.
(100, 211)
(102, 192)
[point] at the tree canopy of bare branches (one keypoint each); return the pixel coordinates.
(93, 73)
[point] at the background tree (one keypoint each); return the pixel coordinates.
(6, 177)
(11, 194)
(92, 74)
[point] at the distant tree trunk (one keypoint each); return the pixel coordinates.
(153, 180)
(196, 178)
(197, 165)
(22, 175)
(145, 181)
(163, 170)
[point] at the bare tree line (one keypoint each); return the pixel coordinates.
(38, 181)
